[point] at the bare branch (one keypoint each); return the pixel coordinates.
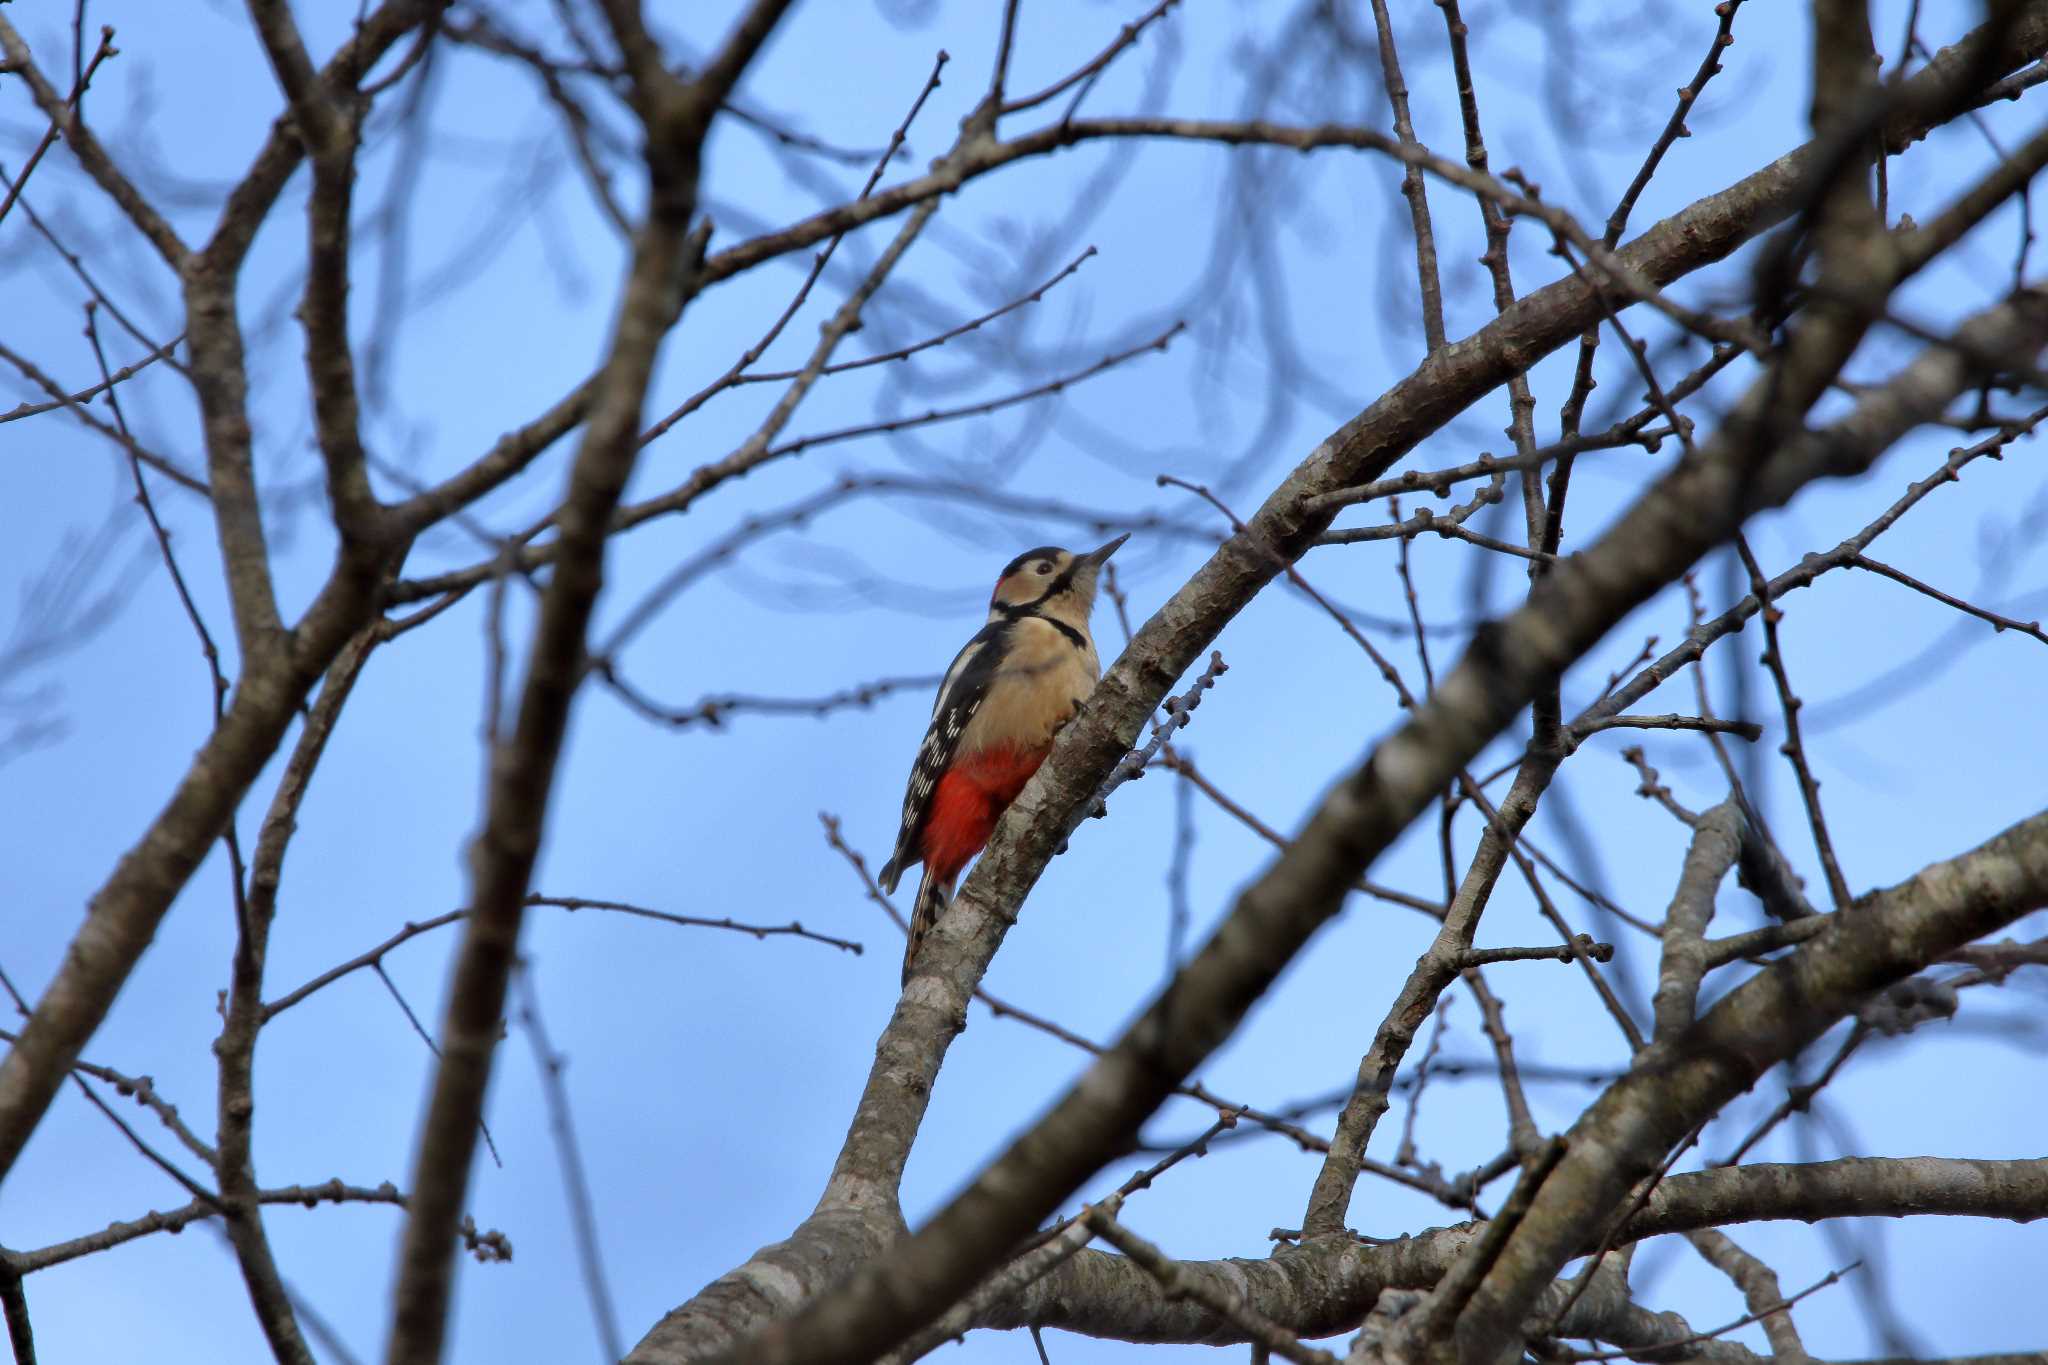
(1793, 748)
(1094, 66)
(2031, 629)
(1779, 1010)
(1486, 957)
(106, 385)
(1716, 843)
(115, 1234)
(1430, 286)
(1692, 507)
(91, 155)
(1741, 729)
(1759, 1286)
(713, 711)
(665, 260)
(105, 50)
(1156, 1263)
(562, 1124)
(413, 929)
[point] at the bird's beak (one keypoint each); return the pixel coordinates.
(1100, 556)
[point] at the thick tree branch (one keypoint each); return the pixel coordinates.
(1699, 504)
(277, 670)
(329, 124)
(1887, 936)
(863, 1184)
(1699, 235)
(249, 204)
(523, 770)
(1762, 457)
(1947, 84)
(1330, 1198)
(123, 915)
(1317, 1288)
(667, 256)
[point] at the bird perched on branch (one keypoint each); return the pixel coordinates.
(1020, 678)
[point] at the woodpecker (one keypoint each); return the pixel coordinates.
(1021, 677)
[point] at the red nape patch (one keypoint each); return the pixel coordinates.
(970, 797)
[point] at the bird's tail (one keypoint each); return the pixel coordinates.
(933, 895)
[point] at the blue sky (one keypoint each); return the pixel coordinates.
(711, 1074)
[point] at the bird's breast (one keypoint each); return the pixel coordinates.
(1044, 677)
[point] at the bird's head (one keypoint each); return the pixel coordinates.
(1052, 581)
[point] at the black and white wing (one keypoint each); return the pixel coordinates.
(961, 693)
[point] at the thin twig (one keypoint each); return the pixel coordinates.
(1178, 712)
(1454, 1194)
(151, 1154)
(940, 339)
(1799, 1096)
(1403, 572)
(982, 409)
(561, 1123)
(81, 78)
(1644, 1189)
(141, 1089)
(1404, 1150)
(1523, 1135)
(77, 408)
(1833, 1277)
(1387, 670)
(414, 929)
(1496, 225)
(176, 1220)
(713, 711)
(1651, 788)
(86, 395)
(1178, 762)
(1431, 287)
(753, 353)
(1741, 729)
(1094, 66)
(1793, 749)
(1582, 945)
(1998, 622)
(1426, 521)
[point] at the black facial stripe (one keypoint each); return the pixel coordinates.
(1060, 584)
(1011, 613)
(1074, 637)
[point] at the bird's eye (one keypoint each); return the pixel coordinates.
(1042, 567)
